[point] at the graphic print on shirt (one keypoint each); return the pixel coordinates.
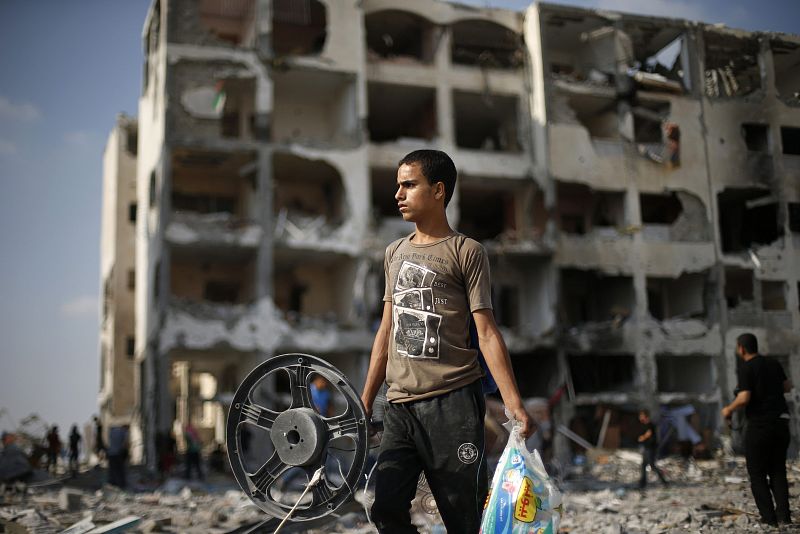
(416, 325)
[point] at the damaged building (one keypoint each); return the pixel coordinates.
(634, 180)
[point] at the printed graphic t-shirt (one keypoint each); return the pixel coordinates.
(433, 288)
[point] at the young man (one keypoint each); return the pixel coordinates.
(762, 384)
(649, 443)
(436, 281)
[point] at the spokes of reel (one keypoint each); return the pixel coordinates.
(296, 441)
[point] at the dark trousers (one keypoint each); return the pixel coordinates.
(442, 437)
(116, 470)
(765, 446)
(192, 463)
(649, 458)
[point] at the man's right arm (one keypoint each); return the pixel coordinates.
(376, 374)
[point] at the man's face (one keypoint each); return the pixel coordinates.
(643, 418)
(739, 351)
(416, 197)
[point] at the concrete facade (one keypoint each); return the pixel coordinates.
(635, 180)
(118, 398)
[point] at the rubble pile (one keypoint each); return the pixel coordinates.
(601, 496)
(702, 496)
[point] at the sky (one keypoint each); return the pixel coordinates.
(66, 70)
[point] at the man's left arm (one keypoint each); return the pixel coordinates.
(742, 399)
(495, 353)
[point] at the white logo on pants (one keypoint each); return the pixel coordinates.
(467, 453)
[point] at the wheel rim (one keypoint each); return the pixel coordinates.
(300, 438)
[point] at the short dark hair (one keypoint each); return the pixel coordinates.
(644, 411)
(748, 342)
(436, 166)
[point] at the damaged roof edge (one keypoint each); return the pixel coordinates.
(670, 21)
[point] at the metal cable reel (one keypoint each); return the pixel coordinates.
(272, 447)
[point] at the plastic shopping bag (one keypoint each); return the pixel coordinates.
(522, 498)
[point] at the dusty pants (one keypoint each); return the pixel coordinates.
(442, 437)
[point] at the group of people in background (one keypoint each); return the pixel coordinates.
(54, 448)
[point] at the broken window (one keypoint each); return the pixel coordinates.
(208, 182)
(790, 140)
(756, 136)
(400, 36)
(231, 21)
(685, 374)
(660, 62)
(682, 298)
(130, 347)
(315, 108)
(659, 209)
(786, 59)
(224, 279)
(200, 203)
(309, 196)
(540, 369)
(794, 216)
(299, 27)
(582, 209)
(485, 44)
(622, 428)
(131, 140)
(399, 111)
(773, 295)
(384, 187)
(600, 373)
(157, 280)
(648, 122)
(486, 121)
(657, 138)
(596, 113)
(132, 212)
(506, 305)
(738, 286)
(584, 49)
(235, 103)
(315, 289)
(108, 294)
(592, 296)
(221, 291)
(747, 217)
(522, 294)
(131, 279)
(486, 212)
(152, 189)
(731, 65)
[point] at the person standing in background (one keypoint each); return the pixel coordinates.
(762, 384)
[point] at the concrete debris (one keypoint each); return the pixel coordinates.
(603, 497)
(81, 527)
(600, 496)
(69, 500)
(121, 525)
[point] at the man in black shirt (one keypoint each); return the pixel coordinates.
(649, 444)
(762, 384)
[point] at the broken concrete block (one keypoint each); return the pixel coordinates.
(70, 500)
(121, 525)
(81, 527)
(155, 524)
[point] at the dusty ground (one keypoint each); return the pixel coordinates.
(712, 496)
